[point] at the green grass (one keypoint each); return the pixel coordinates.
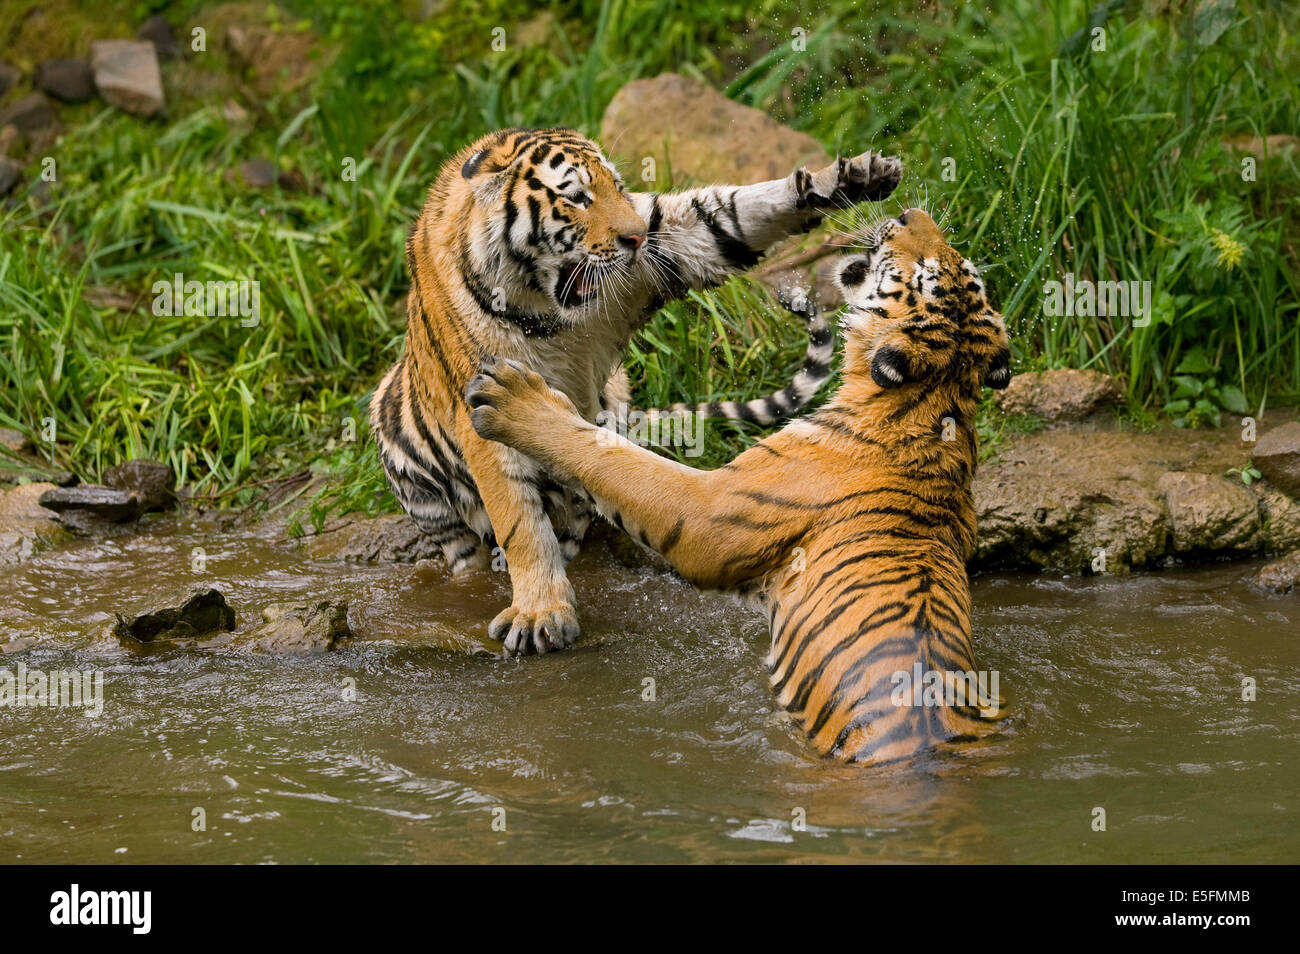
(1104, 164)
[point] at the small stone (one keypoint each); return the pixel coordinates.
(70, 80)
(233, 112)
(9, 77)
(15, 441)
(1280, 576)
(151, 482)
(17, 644)
(31, 114)
(1061, 395)
(9, 139)
(11, 171)
(204, 612)
(100, 503)
(698, 133)
(160, 33)
(127, 74)
(291, 629)
(291, 181)
(1210, 513)
(257, 173)
(1277, 457)
(27, 528)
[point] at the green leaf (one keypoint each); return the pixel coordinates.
(1233, 400)
(1194, 362)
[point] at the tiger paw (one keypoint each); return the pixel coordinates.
(869, 176)
(535, 630)
(508, 399)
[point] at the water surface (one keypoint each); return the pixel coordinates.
(1126, 694)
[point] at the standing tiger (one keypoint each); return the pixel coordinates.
(530, 247)
(852, 525)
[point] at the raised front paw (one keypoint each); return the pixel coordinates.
(535, 630)
(507, 399)
(869, 177)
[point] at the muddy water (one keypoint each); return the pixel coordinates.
(1126, 693)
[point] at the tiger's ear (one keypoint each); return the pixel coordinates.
(474, 163)
(998, 376)
(850, 274)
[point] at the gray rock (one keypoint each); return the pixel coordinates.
(15, 441)
(1209, 513)
(16, 644)
(202, 613)
(296, 628)
(160, 33)
(257, 173)
(9, 139)
(1277, 457)
(127, 75)
(31, 114)
(70, 80)
(699, 133)
(84, 506)
(11, 171)
(27, 528)
(1281, 516)
(1061, 395)
(393, 538)
(151, 482)
(1280, 576)
(10, 76)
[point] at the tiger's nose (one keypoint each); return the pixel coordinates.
(632, 240)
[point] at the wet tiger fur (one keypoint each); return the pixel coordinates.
(852, 525)
(530, 247)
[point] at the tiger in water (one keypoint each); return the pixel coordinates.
(530, 247)
(852, 525)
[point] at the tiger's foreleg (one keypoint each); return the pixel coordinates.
(700, 237)
(686, 515)
(541, 615)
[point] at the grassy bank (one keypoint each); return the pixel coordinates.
(1046, 156)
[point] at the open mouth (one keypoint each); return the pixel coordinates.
(576, 284)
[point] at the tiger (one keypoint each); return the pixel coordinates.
(851, 526)
(530, 246)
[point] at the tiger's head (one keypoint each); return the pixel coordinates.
(917, 313)
(550, 223)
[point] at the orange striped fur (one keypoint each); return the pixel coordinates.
(852, 525)
(530, 247)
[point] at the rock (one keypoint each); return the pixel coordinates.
(254, 173)
(1281, 516)
(14, 441)
(17, 644)
(1277, 457)
(11, 171)
(70, 80)
(1280, 576)
(289, 628)
(82, 506)
(1209, 513)
(233, 112)
(277, 62)
(696, 132)
(534, 32)
(1065, 394)
(127, 75)
(150, 482)
(27, 528)
(393, 538)
(31, 114)
(159, 32)
(204, 612)
(10, 76)
(9, 139)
